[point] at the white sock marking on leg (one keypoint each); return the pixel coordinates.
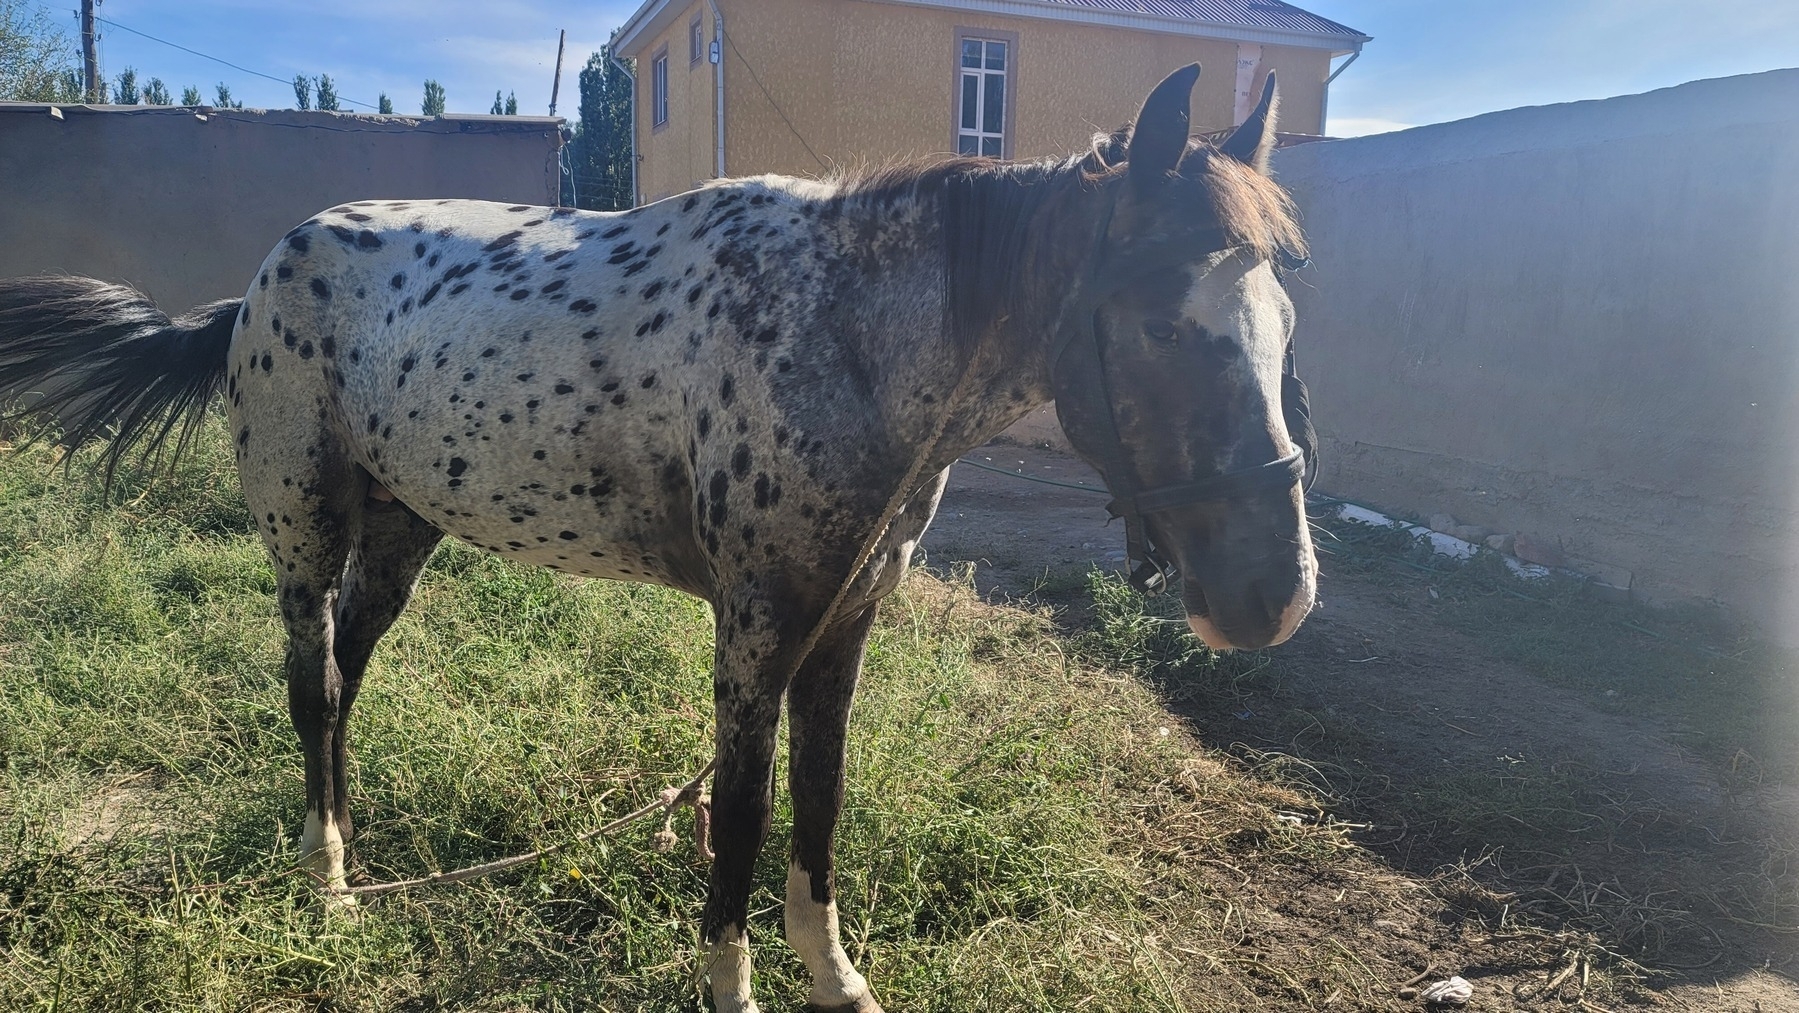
(322, 852)
(812, 931)
(728, 965)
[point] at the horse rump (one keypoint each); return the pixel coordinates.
(103, 363)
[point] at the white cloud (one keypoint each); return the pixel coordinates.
(1361, 126)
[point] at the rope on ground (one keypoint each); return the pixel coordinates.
(1031, 478)
(667, 802)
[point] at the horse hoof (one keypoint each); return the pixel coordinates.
(866, 1004)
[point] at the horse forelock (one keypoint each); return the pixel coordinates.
(1253, 210)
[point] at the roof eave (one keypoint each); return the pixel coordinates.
(631, 35)
(1337, 43)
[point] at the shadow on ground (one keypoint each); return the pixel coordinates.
(1530, 837)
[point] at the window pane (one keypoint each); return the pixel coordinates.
(971, 52)
(659, 82)
(993, 108)
(996, 56)
(968, 144)
(970, 87)
(990, 147)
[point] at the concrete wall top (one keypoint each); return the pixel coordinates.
(184, 202)
(1770, 97)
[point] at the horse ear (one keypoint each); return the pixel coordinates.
(1159, 137)
(1251, 142)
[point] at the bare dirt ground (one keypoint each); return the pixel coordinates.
(1400, 713)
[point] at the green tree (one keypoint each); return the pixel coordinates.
(327, 93)
(385, 104)
(434, 99)
(127, 93)
(511, 103)
(190, 96)
(36, 58)
(499, 107)
(303, 91)
(600, 155)
(222, 98)
(156, 93)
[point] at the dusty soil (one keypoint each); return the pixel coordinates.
(1395, 709)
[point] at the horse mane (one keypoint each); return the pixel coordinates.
(988, 208)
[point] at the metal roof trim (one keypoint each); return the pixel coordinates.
(1056, 10)
(646, 22)
(637, 28)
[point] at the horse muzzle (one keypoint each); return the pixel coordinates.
(1250, 580)
(1262, 614)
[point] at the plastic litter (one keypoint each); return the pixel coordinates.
(1450, 992)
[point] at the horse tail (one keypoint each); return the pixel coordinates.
(106, 365)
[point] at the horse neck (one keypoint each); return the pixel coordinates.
(1010, 243)
(1010, 302)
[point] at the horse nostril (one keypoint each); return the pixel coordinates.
(1271, 610)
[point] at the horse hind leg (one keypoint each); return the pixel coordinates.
(390, 548)
(307, 517)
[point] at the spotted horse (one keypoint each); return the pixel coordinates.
(751, 392)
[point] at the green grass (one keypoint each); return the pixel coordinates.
(1021, 831)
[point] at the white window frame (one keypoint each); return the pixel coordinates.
(982, 134)
(696, 41)
(659, 89)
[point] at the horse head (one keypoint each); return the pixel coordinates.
(1168, 368)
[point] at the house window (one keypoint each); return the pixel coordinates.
(659, 88)
(696, 44)
(983, 93)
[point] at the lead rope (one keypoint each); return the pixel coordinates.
(692, 793)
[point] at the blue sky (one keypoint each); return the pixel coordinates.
(1430, 61)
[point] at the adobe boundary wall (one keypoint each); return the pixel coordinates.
(184, 202)
(1575, 323)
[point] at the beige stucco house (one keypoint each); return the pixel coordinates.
(807, 87)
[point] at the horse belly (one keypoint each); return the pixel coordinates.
(542, 477)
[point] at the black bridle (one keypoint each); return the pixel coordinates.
(1078, 374)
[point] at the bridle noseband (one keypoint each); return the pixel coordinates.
(1078, 375)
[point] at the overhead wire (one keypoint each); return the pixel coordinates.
(205, 56)
(771, 101)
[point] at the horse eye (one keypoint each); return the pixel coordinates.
(1160, 330)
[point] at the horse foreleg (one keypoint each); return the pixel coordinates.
(818, 710)
(747, 694)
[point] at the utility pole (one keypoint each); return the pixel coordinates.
(556, 85)
(90, 58)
